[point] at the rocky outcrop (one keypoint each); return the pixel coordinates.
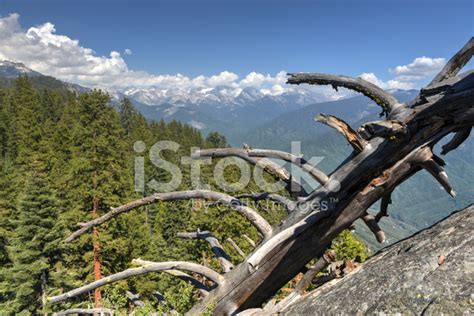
(430, 273)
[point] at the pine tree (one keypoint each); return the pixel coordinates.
(32, 248)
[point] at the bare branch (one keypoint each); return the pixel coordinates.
(216, 247)
(328, 257)
(456, 63)
(385, 201)
(258, 221)
(283, 236)
(299, 161)
(86, 311)
(371, 223)
(134, 298)
(304, 283)
(378, 95)
(353, 137)
(437, 171)
(236, 247)
(458, 138)
(204, 290)
(251, 155)
(287, 203)
(250, 241)
(146, 267)
(265, 164)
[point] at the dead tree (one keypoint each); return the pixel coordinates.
(386, 153)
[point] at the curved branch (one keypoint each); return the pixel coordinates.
(378, 95)
(220, 253)
(298, 161)
(249, 154)
(287, 203)
(264, 163)
(456, 63)
(187, 278)
(258, 221)
(353, 137)
(458, 138)
(146, 268)
(437, 171)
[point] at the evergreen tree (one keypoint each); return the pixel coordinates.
(217, 140)
(33, 247)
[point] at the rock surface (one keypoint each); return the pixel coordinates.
(430, 273)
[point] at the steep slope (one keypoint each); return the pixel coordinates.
(429, 273)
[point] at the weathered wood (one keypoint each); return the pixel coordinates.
(266, 164)
(456, 63)
(216, 247)
(385, 201)
(458, 138)
(146, 267)
(439, 174)
(237, 248)
(299, 161)
(249, 240)
(258, 221)
(86, 311)
(353, 137)
(371, 223)
(135, 299)
(378, 95)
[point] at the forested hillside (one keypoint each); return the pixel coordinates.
(67, 158)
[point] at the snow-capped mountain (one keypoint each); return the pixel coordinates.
(11, 69)
(229, 96)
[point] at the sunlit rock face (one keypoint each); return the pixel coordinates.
(430, 273)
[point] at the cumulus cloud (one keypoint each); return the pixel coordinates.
(43, 50)
(389, 84)
(408, 76)
(420, 68)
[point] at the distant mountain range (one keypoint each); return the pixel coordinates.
(274, 120)
(230, 110)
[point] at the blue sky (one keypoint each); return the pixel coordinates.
(208, 37)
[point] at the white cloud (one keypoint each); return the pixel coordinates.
(408, 76)
(390, 84)
(41, 49)
(419, 68)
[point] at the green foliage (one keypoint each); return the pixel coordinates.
(348, 246)
(217, 140)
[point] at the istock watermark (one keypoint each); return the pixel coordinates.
(293, 167)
